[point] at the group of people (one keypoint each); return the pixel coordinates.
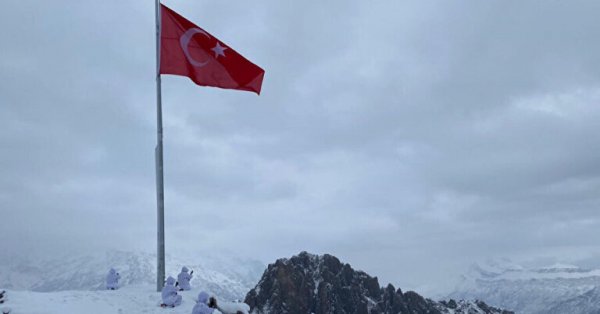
(169, 291)
(170, 297)
(183, 279)
(5, 310)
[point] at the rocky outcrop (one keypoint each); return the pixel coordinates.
(468, 307)
(309, 283)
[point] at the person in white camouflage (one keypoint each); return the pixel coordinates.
(169, 295)
(202, 304)
(112, 279)
(183, 279)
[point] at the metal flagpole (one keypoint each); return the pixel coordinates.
(158, 154)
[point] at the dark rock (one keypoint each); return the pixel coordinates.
(309, 283)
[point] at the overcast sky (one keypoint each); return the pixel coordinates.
(408, 138)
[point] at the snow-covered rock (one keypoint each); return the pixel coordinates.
(467, 307)
(321, 284)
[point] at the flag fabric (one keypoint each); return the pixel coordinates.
(188, 50)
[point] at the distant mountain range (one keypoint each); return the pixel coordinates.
(227, 277)
(324, 280)
(321, 284)
(560, 288)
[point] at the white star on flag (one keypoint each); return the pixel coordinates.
(219, 50)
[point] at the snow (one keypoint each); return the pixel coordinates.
(234, 307)
(560, 266)
(225, 276)
(129, 299)
(487, 273)
(75, 283)
(528, 290)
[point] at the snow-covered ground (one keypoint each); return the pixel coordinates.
(127, 300)
(227, 277)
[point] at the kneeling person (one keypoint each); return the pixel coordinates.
(202, 304)
(169, 294)
(112, 279)
(184, 279)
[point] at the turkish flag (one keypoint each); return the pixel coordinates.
(188, 50)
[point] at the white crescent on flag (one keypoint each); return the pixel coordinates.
(185, 42)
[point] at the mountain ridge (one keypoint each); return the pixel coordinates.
(320, 284)
(550, 289)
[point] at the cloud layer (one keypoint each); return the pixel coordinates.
(408, 138)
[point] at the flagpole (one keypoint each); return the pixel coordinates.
(158, 154)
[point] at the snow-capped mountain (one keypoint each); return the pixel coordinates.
(226, 277)
(559, 288)
(588, 302)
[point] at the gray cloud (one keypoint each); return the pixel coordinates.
(408, 138)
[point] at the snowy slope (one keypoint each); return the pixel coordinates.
(129, 299)
(226, 277)
(588, 303)
(532, 291)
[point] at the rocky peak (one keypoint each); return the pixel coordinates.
(308, 283)
(320, 284)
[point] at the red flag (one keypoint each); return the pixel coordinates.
(188, 50)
